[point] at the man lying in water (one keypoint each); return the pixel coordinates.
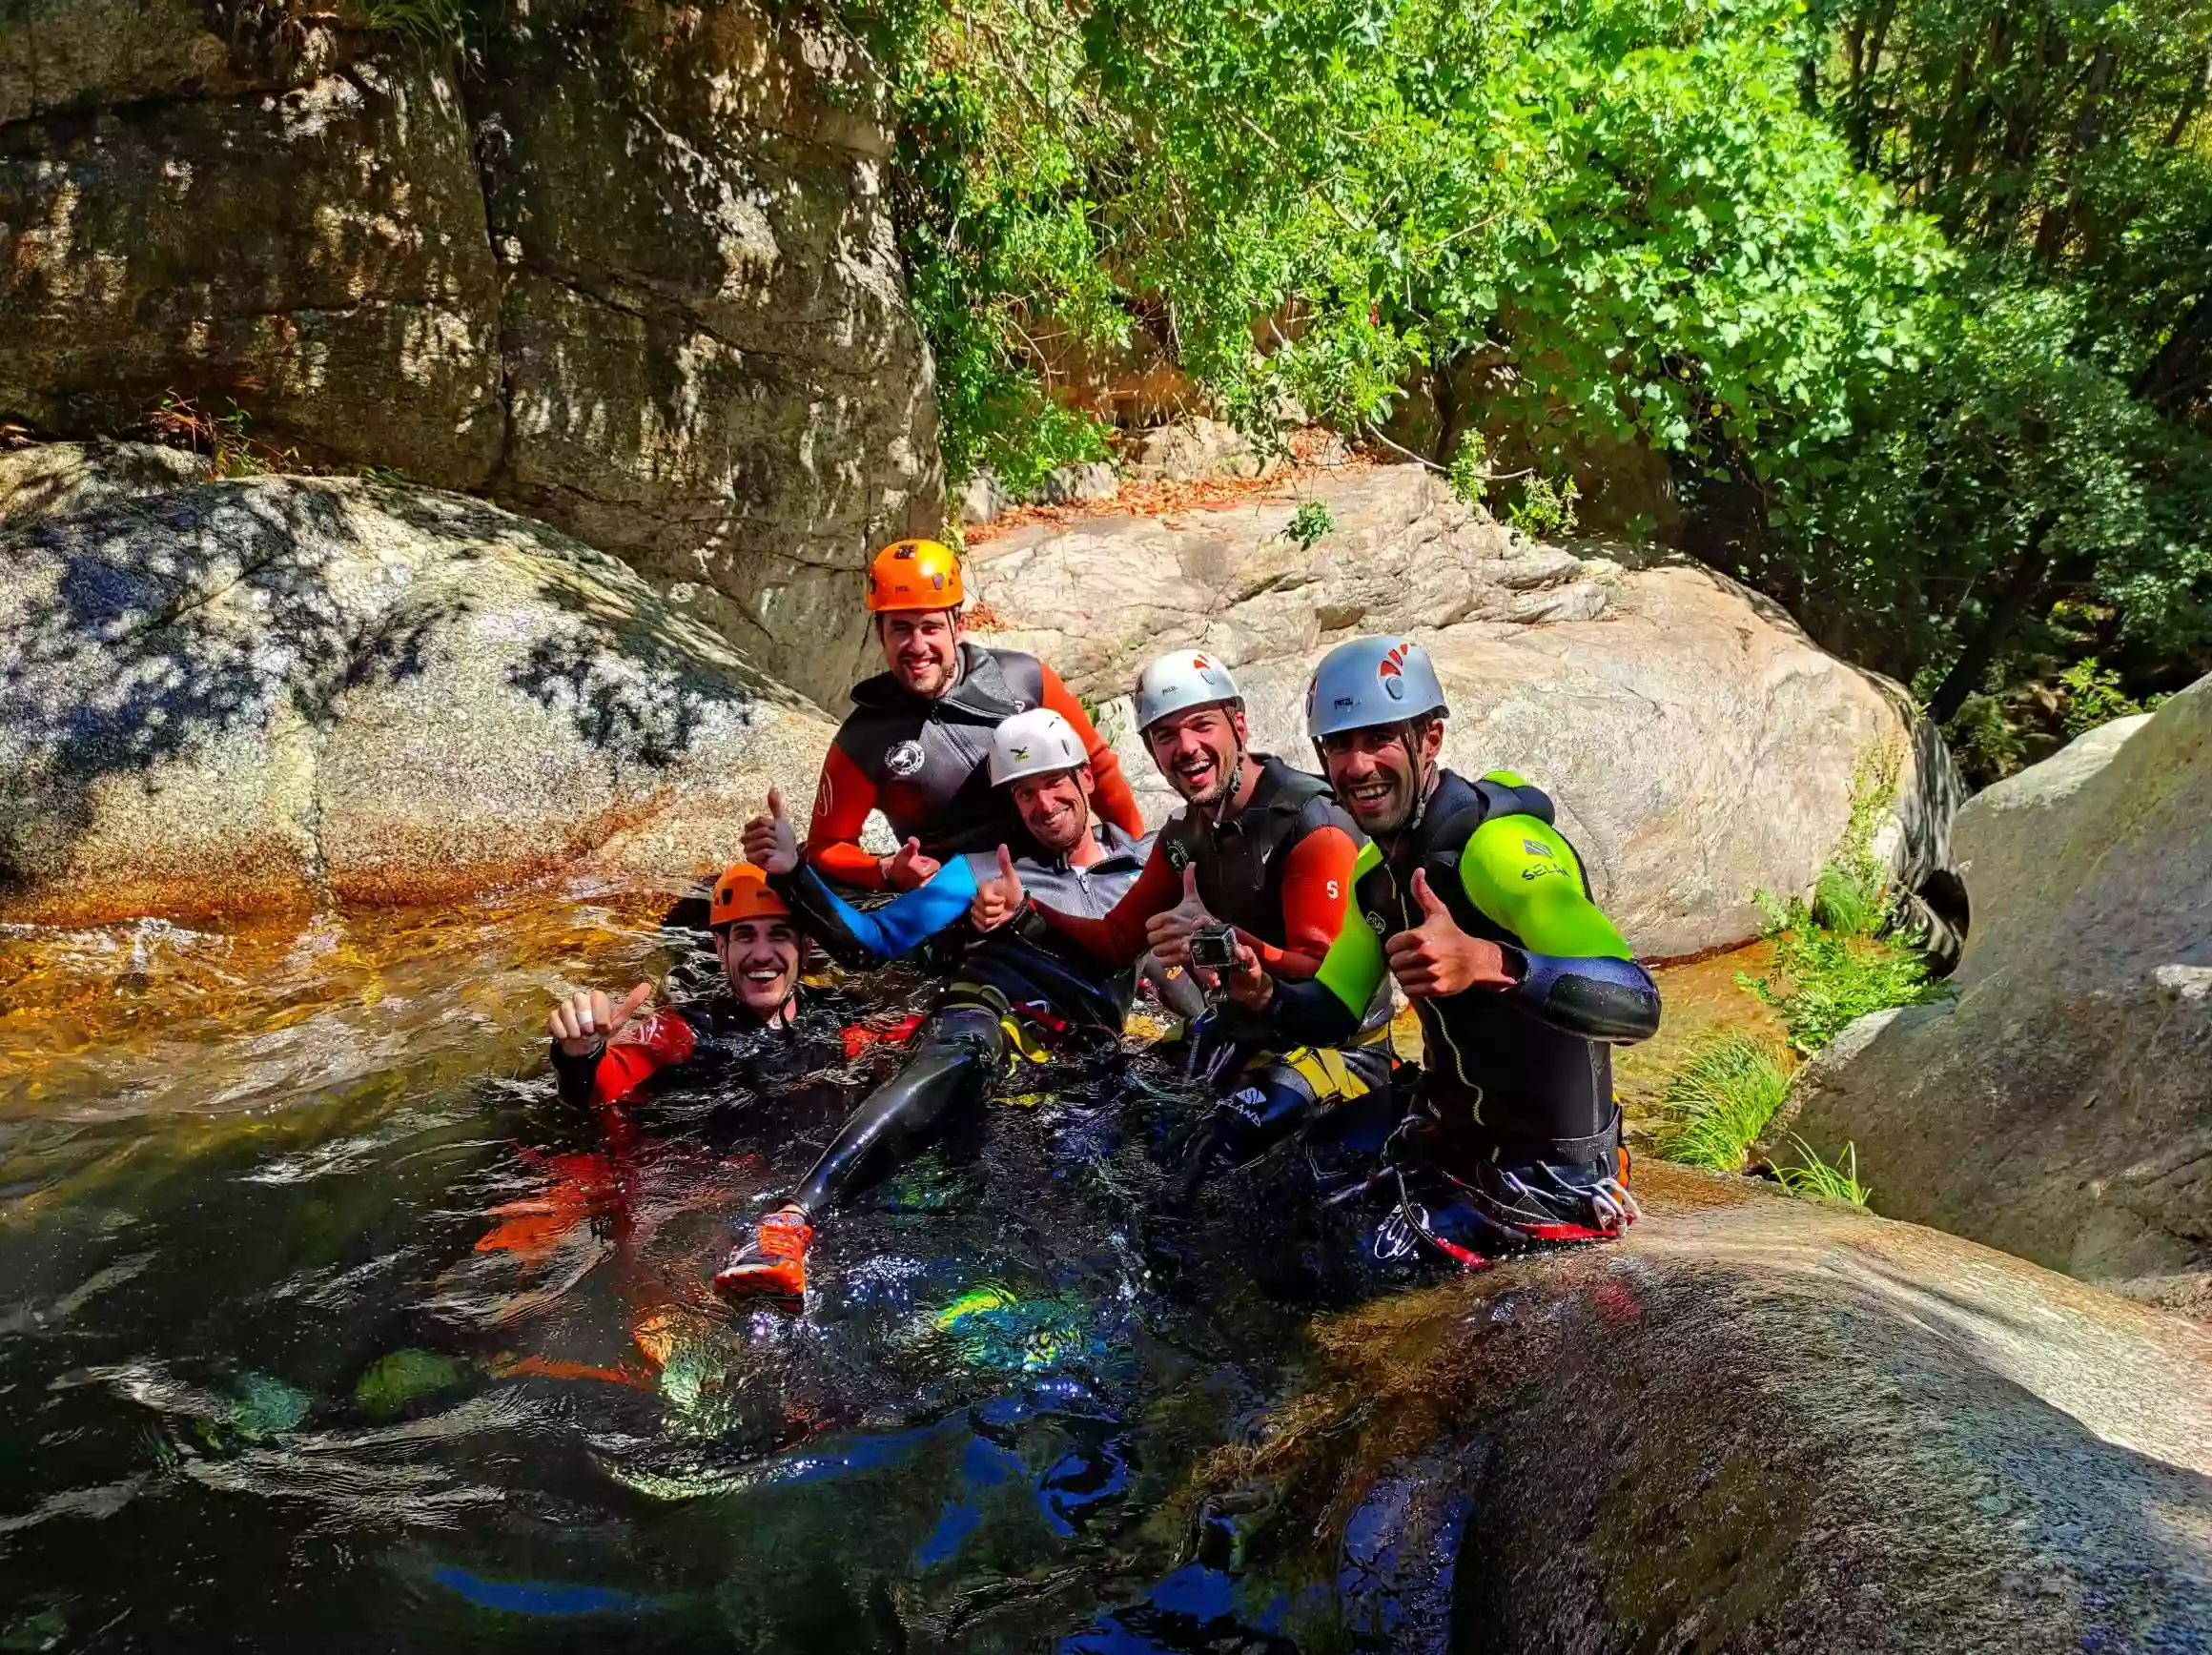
(604, 1050)
(1036, 993)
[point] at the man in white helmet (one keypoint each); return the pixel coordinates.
(1475, 901)
(1038, 996)
(1262, 849)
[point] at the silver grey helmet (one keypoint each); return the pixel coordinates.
(1179, 680)
(1371, 682)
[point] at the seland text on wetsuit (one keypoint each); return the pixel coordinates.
(1519, 1079)
(1013, 989)
(923, 763)
(1281, 872)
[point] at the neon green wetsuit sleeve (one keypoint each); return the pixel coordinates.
(1525, 875)
(1579, 976)
(1329, 1007)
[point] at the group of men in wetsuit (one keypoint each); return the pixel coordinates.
(1274, 911)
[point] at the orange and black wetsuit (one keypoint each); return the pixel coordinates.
(922, 764)
(1281, 872)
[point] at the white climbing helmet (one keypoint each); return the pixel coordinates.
(1177, 682)
(1033, 743)
(1371, 682)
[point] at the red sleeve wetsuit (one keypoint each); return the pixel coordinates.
(922, 764)
(1280, 870)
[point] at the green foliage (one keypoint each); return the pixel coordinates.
(1469, 471)
(1823, 979)
(1833, 1182)
(2094, 697)
(434, 25)
(1719, 1101)
(1983, 741)
(1546, 509)
(1308, 523)
(1843, 904)
(1657, 220)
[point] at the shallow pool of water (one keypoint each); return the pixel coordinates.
(324, 1324)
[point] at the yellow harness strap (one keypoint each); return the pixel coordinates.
(1324, 1069)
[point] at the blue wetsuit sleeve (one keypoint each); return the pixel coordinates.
(855, 938)
(1595, 997)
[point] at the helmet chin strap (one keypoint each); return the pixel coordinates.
(1423, 778)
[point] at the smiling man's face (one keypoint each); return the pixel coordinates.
(1056, 807)
(761, 958)
(1197, 750)
(922, 648)
(1377, 774)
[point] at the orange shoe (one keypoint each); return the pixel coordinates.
(772, 1264)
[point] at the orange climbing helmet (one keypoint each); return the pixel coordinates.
(914, 574)
(742, 892)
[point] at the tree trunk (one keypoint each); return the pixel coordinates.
(1966, 672)
(2192, 101)
(2182, 370)
(2058, 223)
(1450, 418)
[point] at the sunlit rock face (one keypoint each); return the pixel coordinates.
(633, 272)
(1699, 746)
(2059, 1107)
(226, 696)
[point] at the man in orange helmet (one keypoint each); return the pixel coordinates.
(604, 1050)
(915, 743)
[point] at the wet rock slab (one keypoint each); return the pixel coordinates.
(1760, 1423)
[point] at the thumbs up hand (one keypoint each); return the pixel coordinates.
(999, 898)
(907, 869)
(586, 1020)
(1168, 933)
(1436, 959)
(770, 844)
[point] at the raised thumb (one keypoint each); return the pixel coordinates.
(628, 1009)
(1190, 882)
(776, 803)
(1006, 865)
(1431, 903)
(910, 849)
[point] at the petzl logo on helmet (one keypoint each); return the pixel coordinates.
(905, 552)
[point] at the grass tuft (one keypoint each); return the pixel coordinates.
(1816, 1177)
(1718, 1102)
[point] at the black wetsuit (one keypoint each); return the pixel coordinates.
(1520, 1080)
(1014, 986)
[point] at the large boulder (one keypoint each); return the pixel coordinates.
(1752, 1424)
(234, 695)
(711, 367)
(2060, 1106)
(314, 256)
(633, 273)
(1699, 746)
